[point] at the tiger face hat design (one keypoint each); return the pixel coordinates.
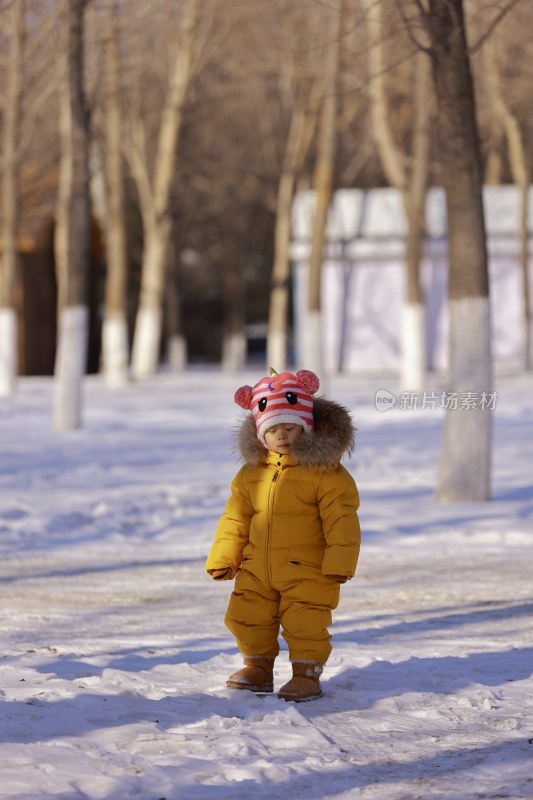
(284, 397)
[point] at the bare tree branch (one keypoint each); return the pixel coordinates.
(493, 25)
(421, 17)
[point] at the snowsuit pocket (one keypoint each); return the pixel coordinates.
(300, 563)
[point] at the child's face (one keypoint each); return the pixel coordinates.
(283, 438)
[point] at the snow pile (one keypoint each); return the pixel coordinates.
(115, 653)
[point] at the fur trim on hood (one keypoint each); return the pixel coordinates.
(333, 436)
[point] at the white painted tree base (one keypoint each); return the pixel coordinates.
(413, 355)
(115, 350)
(70, 367)
(8, 351)
(177, 354)
(465, 465)
(146, 343)
(234, 352)
(277, 351)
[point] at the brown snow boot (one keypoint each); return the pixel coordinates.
(257, 675)
(304, 684)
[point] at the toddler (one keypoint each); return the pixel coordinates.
(289, 533)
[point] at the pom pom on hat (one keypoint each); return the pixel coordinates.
(280, 398)
(308, 380)
(243, 397)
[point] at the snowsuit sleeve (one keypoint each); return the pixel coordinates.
(233, 529)
(338, 500)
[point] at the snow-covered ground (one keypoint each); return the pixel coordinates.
(114, 653)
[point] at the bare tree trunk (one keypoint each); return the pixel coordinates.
(157, 220)
(391, 159)
(234, 340)
(8, 263)
(73, 232)
(494, 165)
(303, 122)
(279, 295)
(176, 342)
(64, 193)
(323, 185)
(413, 370)
(413, 188)
(465, 465)
(115, 348)
(520, 172)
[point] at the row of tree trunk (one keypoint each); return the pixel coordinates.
(11, 160)
(442, 53)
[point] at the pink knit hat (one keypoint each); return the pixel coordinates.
(286, 397)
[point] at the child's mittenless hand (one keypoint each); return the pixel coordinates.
(224, 574)
(338, 578)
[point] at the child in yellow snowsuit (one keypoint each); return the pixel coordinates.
(289, 533)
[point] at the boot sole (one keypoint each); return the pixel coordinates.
(264, 688)
(300, 699)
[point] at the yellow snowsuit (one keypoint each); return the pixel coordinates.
(290, 523)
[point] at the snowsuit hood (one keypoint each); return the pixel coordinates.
(332, 438)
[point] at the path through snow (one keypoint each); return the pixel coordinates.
(114, 650)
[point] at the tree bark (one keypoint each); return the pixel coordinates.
(390, 157)
(73, 232)
(413, 186)
(11, 135)
(115, 348)
(157, 220)
(279, 293)
(302, 126)
(465, 464)
(312, 355)
(413, 369)
(234, 340)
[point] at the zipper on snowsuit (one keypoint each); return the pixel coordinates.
(271, 494)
